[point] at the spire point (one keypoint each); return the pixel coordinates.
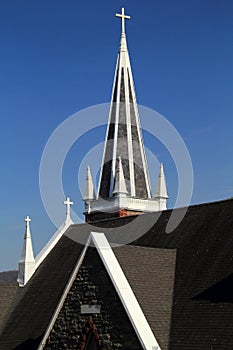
(89, 193)
(161, 189)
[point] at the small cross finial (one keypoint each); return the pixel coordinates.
(123, 17)
(27, 220)
(68, 203)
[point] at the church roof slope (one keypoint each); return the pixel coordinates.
(203, 302)
(7, 295)
(197, 256)
(151, 274)
(36, 302)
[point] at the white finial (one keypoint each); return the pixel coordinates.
(161, 190)
(68, 203)
(120, 185)
(89, 193)
(122, 16)
(27, 261)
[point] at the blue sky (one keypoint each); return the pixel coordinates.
(58, 57)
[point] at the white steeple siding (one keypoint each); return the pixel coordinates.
(27, 260)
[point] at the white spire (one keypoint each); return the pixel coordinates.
(89, 193)
(124, 135)
(27, 261)
(123, 185)
(119, 185)
(161, 189)
(68, 203)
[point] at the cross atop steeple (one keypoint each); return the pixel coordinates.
(122, 16)
(27, 232)
(68, 203)
(27, 220)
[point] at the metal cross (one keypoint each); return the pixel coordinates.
(27, 220)
(122, 16)
(68, 203)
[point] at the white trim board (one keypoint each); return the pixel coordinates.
(122, 287)
(125, 293)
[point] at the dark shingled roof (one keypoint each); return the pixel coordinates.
(151, 274)
(202, 306)
(7, 295)
(36, 302)
(202, 298)
(8, 277)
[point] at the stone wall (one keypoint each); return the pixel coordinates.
(93, 286)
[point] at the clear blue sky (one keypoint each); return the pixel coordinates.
(58, 57)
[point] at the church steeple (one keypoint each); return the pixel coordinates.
(27, 260)
(124, 137)
(124, 186)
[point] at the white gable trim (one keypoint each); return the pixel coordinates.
(126, 295)
(128, 299)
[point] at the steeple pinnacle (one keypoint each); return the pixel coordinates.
(89, 193)
(119, 185)
(161, 190)
(27, 260)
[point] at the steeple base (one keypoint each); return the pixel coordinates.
(100, 209)
(98, 216)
